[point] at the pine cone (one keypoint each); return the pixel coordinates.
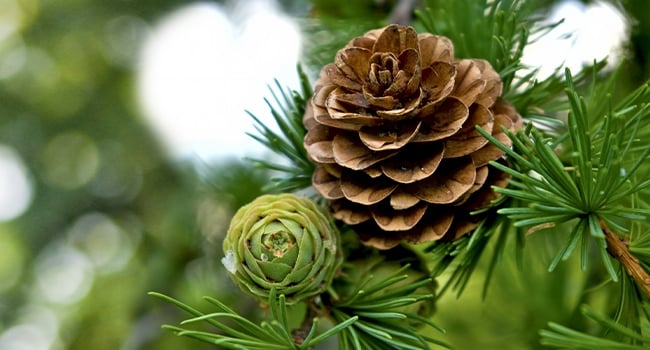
(284, 242)
(391, 128)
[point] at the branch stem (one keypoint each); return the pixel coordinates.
(618, 249)
(403, 12)
(300, 334)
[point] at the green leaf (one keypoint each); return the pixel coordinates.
(378, 301)
(563, 337)
(330, 332)
(287, 112)
(241, 333)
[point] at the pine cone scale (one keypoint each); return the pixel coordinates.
(434, 228)
(469, 82)
(481, 176)
(435, 49)
(353, 62)
(319, 144)
(413, 165)
(350, 152)
(338, 78)
(444, 122)
(395, 39)
(446, 186)
(493, 86)
(490, 152)
(350, 213)
(400, 199)
(358, 188)
(438, 80)
(382, 139)
(327, 184)
(398, 220)
(352, 101)
(468, 140)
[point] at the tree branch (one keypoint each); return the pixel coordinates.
(618, 249)
(403, 12)
(313, 311)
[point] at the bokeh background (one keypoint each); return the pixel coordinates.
(122, 157)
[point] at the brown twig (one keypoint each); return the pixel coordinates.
(618, 248)
(313, 310)
(403, 12)
(299, 335)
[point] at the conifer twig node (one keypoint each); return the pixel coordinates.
(618, 249)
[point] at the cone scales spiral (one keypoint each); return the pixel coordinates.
(284, 242)
(391, 128)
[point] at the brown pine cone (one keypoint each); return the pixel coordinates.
(391, 128)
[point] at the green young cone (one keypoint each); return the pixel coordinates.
(284, 242)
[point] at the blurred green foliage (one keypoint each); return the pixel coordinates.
(103, 189)
(106, 194)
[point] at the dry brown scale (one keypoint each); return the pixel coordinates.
(391, 128)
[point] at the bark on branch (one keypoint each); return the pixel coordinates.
(618, 249)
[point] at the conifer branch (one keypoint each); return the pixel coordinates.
(578, 173)
(618, 249)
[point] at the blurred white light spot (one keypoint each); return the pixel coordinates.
(15, 187)
(102, 240)
(229, 262)
(41, 318)
(25, 337)
(63, 274)
(36, 328)
(589, 32)
(12, 60)
(10, 18)
(202, 67)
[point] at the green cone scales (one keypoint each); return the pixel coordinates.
(284, 242)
